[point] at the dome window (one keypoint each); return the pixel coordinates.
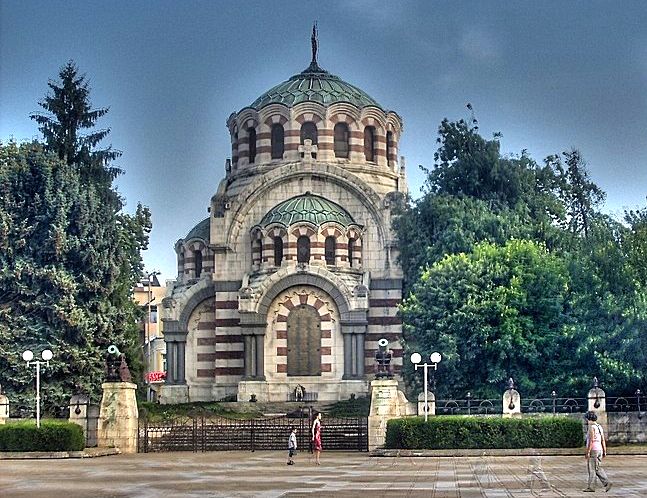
(341, 140)
(351, 243)
(251, 135)
(369, 143)
(278, 141)
(278, 251)
(389, 146)
(197, 263)
(330, 249)
(309, 131)
(303, 249)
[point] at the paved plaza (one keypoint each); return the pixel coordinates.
(265, 474)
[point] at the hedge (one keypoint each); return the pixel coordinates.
(461, 432)
(51, 436)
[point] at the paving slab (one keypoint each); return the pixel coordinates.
(340, 475)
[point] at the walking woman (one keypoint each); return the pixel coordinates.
(596, 449)
(316, 437)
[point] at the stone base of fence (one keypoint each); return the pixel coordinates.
(118, 417)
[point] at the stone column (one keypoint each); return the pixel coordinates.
(249, 356)
(360, 355)
(511, 401)
(431, 403)
(260, 356)
(180, 362)
(347, 356)
(118, 417)
(171, 354)
(79, 412)
(597, 403)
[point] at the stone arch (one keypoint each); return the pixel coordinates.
(306, 279)
(197, 294)
(248, 197)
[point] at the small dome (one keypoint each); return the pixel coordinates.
(314, 85)
(200, 231)
(307, 207)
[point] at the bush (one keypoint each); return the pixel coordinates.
(459, 432)
(51, 436)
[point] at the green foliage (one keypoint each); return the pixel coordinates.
(469, 280)
(354, 407)
(68, 257)
(51, 436)
(69, 111)
(494, 313)
(457, 432)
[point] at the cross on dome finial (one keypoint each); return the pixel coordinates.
(313, 40)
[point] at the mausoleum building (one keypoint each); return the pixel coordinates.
(293, 278)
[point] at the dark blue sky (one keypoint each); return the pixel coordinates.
(549, 75)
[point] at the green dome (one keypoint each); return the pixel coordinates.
(200, 231)
(314, 85)
(308, 207)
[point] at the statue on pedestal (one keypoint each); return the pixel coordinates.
(383, 360)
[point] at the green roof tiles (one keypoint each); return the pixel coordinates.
(314, 85)
(309, 208)
(200, 231)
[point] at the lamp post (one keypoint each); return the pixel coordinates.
(435, 358)
(149, 277)
(28, 356)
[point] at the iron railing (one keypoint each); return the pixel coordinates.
(202, 431)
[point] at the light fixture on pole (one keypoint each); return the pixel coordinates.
(435, 358)
(28, 356)
(149, 276)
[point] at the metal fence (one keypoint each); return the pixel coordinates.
(553, 405)
(206, 432)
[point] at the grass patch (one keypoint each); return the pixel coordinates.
(354, 407)
(156, 411)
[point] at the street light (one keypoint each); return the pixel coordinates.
(435, 358)
(28, 356)
(147, 325)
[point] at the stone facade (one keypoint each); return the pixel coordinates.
(293, 278)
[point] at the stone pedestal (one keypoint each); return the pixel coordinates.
(172, 394)
(4, 409)
(511, 403)
(118, 417)
(431, 404)
(387, 402)
(597, 403)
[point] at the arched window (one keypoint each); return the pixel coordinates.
(251, 134)
(303, 249)
(278, 141)
(197, 261)
(341, 140)
(278, 251)
(389, 145)
(351, 243)
(309, 130)
(330, 249)
(369, 143)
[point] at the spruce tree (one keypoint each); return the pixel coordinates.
(69, 257)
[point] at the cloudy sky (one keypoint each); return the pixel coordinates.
(548, 75)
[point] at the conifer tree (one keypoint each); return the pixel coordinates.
(69, 257)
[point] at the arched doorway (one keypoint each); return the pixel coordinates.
(304, 341)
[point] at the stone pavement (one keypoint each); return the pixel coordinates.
(341, 475)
